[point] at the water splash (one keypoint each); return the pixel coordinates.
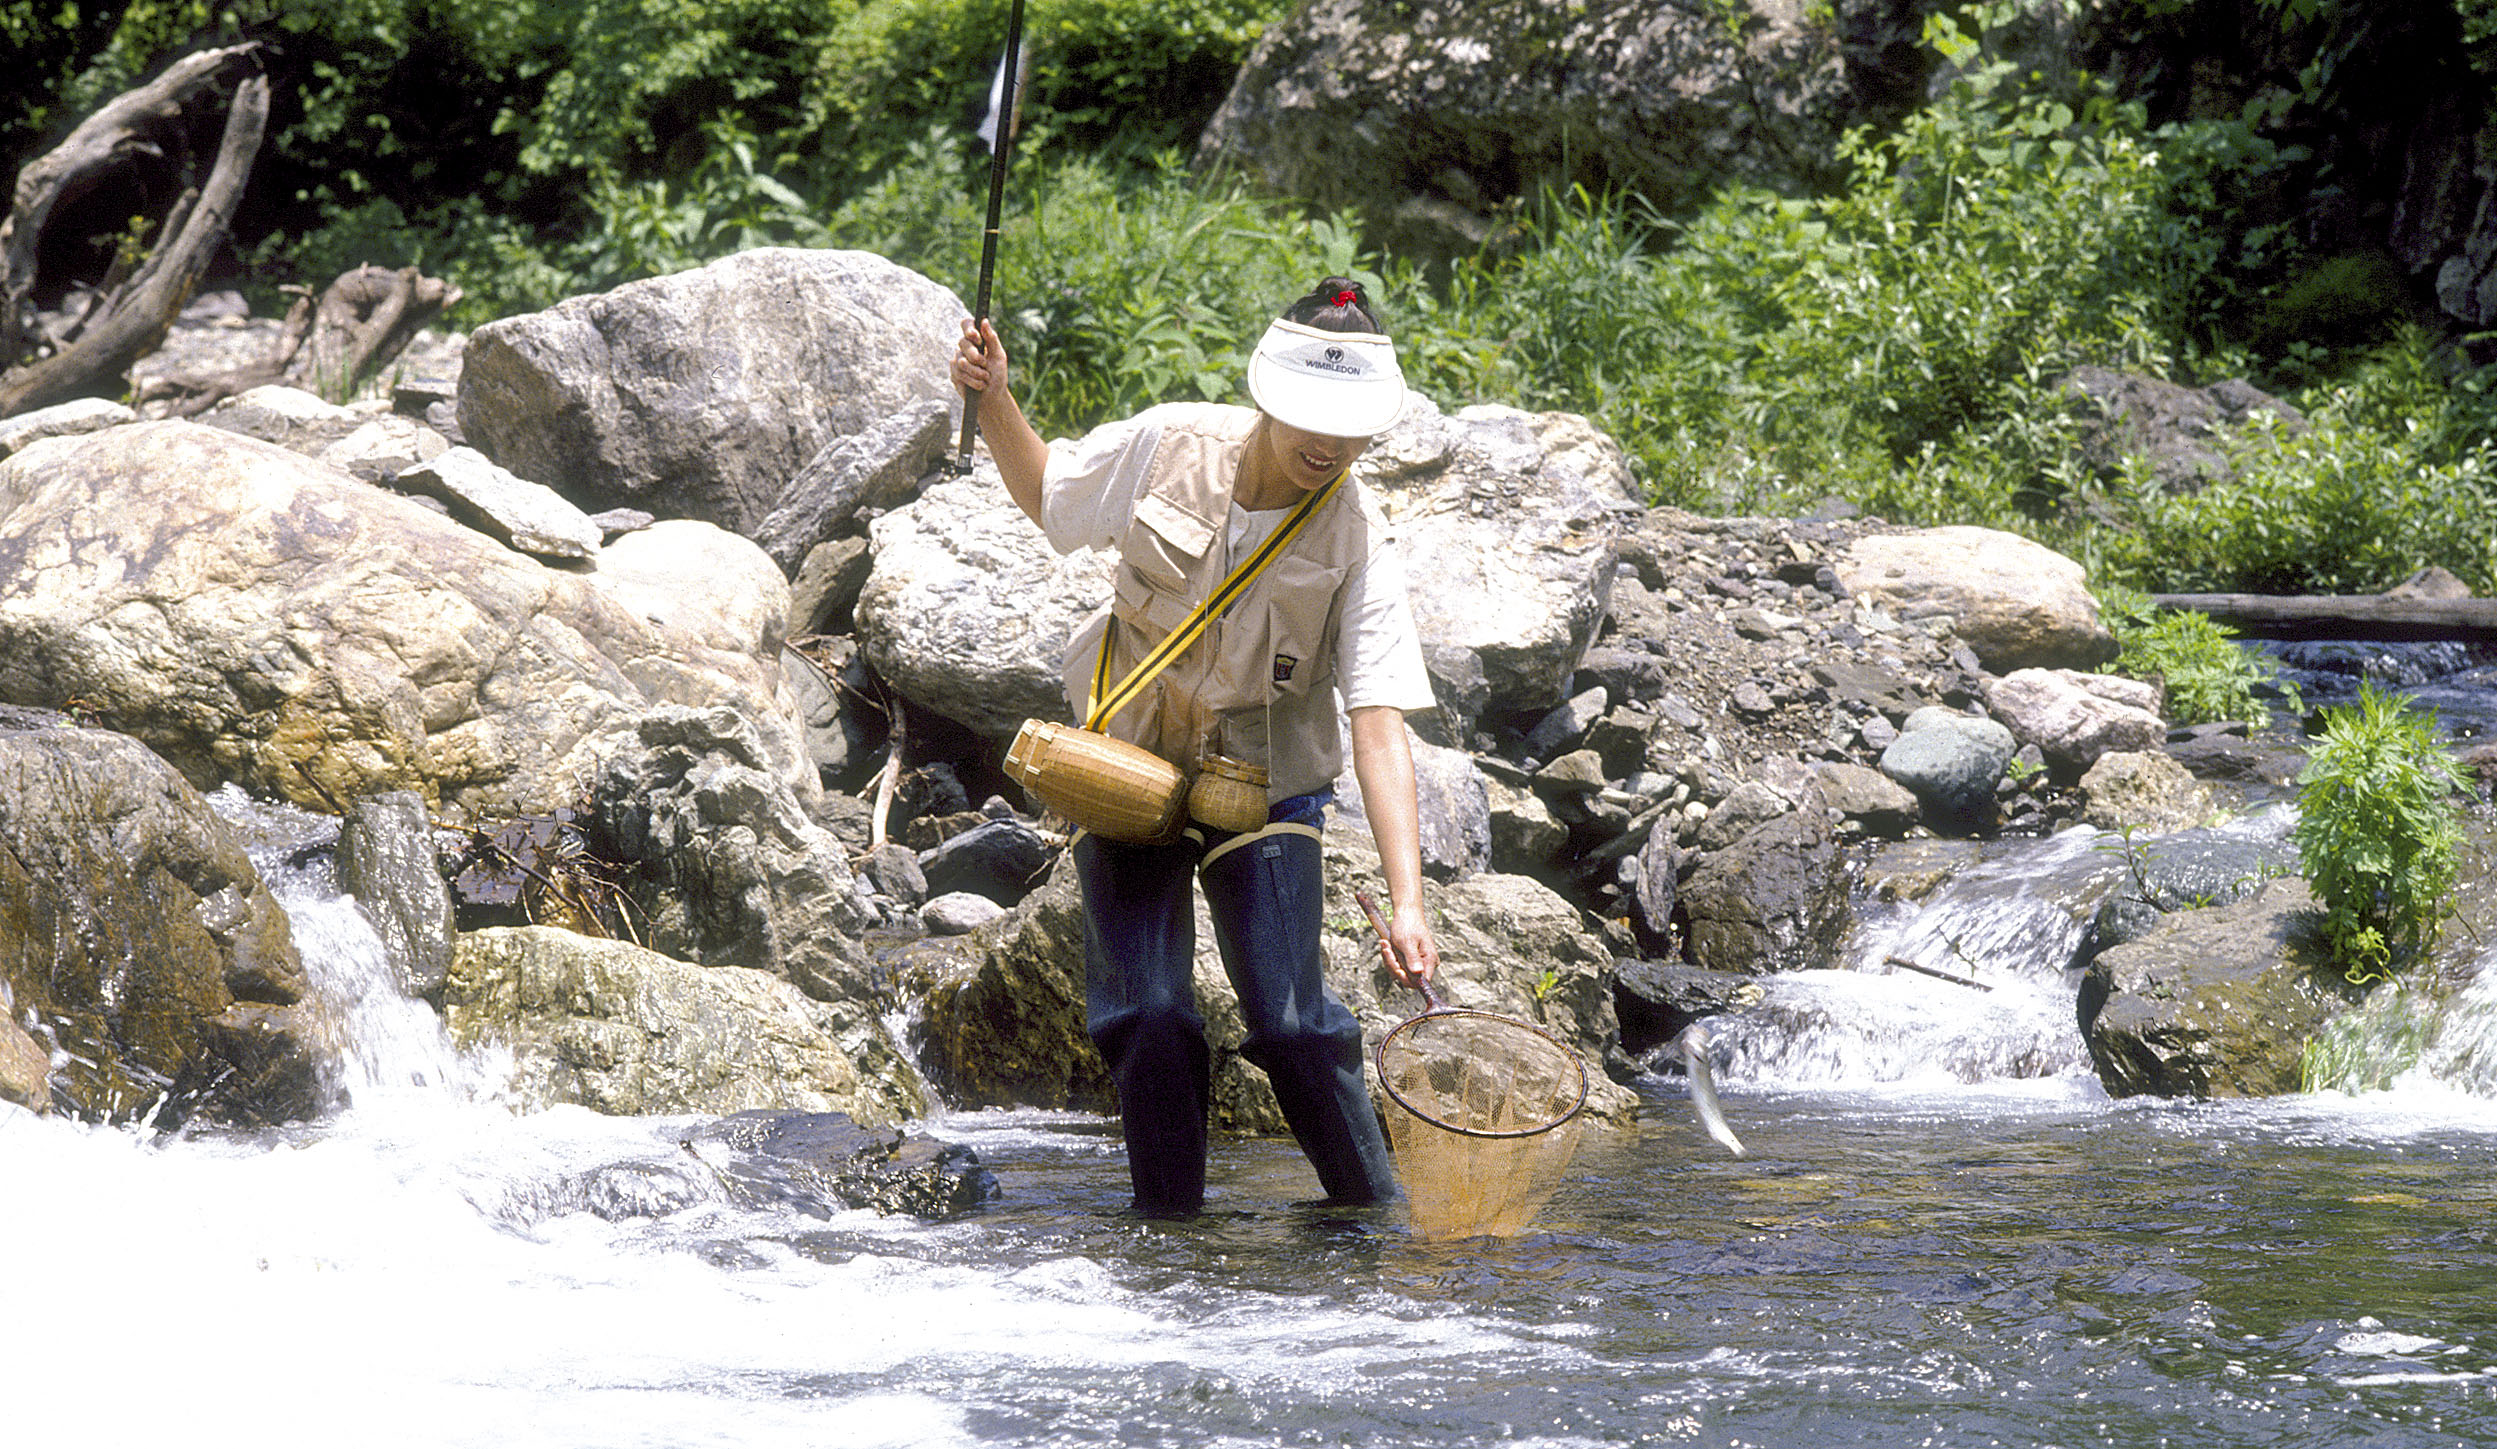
(1848, 1028)
(1974, 982)
(383, 1042)
(2408, 1036)
(2019, 915)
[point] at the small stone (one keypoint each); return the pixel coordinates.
(530, 517)
(83, 415)
(958, 913)
(1580, 772)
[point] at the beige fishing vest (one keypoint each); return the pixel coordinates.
(1260, 685)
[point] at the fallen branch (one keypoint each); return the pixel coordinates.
(133, 320)
(109, 138)
(1939, 975)
(886, 780)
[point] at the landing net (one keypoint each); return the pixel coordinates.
(1485, 1119)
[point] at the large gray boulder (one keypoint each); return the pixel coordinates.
(138, 940)
(2018, 604)
(2213, 1003)
(968, 611)
(1768, 893)
(257, 617)
(1429, 116)
(1509, 523)
(732, 871)
(624, 1030)
(700, 395)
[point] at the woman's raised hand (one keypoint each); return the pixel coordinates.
(980, 360)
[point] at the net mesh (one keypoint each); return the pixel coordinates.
(1483, 1116)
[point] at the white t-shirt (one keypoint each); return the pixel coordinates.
(1089, 494)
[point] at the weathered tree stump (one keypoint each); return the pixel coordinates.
(364, 319)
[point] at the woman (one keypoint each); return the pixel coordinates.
(1182, 492)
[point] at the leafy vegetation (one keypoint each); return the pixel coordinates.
(1900, 343)
(2378, 832)
(539, 870)
(2197, 660)
(537, 150)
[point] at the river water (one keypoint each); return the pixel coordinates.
(1944, 1235)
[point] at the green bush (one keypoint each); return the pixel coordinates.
(2396, 472)
(1129, 76)
(2378, 832)
(617, 138)
(2207, 675)
(1900, 343)
(1875, 344)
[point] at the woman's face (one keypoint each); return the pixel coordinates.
(1309, 459)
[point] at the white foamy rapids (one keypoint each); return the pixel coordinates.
(2018, 915)
(413, 1277)
(2462, 1053)
(386, 1041)
(1847, 1028)
(2417, 1045)
(381, 1040)
(1993, 1002)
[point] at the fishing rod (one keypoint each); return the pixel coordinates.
(1007, 74)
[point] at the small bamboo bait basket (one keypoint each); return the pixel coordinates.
(1107, 786)
(1228, 795)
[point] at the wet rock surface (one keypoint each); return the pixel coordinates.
(818, 1163)
(2215, 1002)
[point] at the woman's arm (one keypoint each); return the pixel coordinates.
(983, 378)
(1383, 763)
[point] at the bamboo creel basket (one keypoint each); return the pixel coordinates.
(1107, 786)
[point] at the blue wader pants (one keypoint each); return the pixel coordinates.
(1264, 893)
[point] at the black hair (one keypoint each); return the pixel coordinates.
(1337, 304)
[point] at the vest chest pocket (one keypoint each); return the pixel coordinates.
(1154, 608)
(1294, 654)
(1162, 549)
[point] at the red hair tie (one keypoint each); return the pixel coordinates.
(1345, 299)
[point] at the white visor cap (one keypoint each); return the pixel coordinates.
(1340, 384)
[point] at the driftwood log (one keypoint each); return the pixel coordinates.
(2382, 617)
(362, 321)
(134, 316)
